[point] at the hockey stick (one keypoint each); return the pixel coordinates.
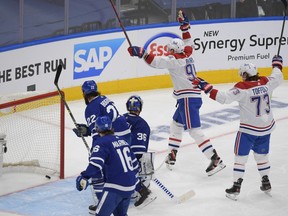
(178, 199)
(283, 24)
(123, 29)
(58, 73)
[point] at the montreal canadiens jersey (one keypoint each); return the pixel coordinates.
(181, 69)
(100, 106)
(254, 98)
(140, 131)
(113, 156)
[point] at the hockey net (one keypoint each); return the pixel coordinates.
(34, 128)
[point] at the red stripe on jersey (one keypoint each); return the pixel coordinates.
(187, 113)
(259, 128)
(251, 84)
(186, 90)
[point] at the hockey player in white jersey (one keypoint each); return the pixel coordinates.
(3, 149)
(180, 64)
(256, 119)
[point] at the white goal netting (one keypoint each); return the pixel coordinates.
(34, 127)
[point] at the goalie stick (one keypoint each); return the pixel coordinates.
(58, 73)
(283, 24)
(178, 199)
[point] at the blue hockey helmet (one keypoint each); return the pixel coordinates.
(134, 103)
(103, 123)
(89, 87)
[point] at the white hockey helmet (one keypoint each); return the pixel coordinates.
(248, 68)
(177, 45)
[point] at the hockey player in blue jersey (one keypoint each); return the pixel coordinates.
(110, 155)
(100, 105)
(140, 134)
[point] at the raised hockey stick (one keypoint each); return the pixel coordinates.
(58, 73)
(283, 24)
(178, 199)
(123, 29)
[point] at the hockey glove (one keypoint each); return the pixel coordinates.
(202, 84)
(136, 51)
(81, 183)
(183, 20)
(82, 129)
(277, 61)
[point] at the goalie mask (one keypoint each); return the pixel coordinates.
(177, 45)
(103, 123)
(248, 68)
(134, 103)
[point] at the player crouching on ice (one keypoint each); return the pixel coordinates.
(111, 159)
(256, 119)
(3, 149)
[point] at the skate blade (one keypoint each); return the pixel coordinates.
(149, 200)
(169, 166)
(232, 197)
(217, 169)
(268, 193)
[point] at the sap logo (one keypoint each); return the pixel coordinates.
(157, 45)
(90, 59)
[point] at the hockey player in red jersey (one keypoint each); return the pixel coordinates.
(180, 64)
(256, 119)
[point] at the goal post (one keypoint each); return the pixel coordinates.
(34, 127)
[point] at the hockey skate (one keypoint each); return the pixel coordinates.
(171, 159)
(266, 186)
(234, 191)
(145, 198)
(215, 165)
(92, 209)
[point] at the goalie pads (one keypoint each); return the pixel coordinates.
(3, 147)
(147, 165)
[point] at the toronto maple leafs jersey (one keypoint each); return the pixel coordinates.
(254, 98)
(103, 106)
(140, 133)
(181, 69)
(113, 156)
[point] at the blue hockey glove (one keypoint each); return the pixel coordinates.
(183, 20)
(136, 51)
(81, 183)
(202, 84)
(277, 61)
(82, 129)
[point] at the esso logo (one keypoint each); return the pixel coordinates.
(158, 49)
(157, 44)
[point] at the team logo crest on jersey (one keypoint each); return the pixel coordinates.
(235, 91)
(90, 59)
(157, 44)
